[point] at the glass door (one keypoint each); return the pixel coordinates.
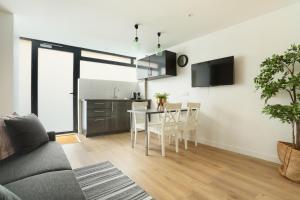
(55, 89)
(55, 70)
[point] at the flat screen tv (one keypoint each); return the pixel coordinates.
(213, 72)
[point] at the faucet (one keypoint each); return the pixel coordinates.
(116, 92)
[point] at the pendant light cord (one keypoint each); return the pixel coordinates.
(136, 32)
(158, 42)
(136, 26)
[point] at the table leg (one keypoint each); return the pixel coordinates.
(146, 134)
(131, 130)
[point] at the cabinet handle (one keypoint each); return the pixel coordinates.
(98, 111)
(98, 103)
(112, 106)
(95, 120)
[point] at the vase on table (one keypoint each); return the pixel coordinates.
(160, 103)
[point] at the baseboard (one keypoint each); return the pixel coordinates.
(271, 158)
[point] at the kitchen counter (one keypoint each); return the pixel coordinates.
(117, 99)
(105, 116)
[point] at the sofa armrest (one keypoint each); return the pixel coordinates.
(51, 135)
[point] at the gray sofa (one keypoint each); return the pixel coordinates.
(44, 173)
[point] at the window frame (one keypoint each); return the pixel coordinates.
(107, 61)
(35, 44)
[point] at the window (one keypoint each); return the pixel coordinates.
(103, 56)
(102, 71)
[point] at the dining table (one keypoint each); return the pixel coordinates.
(147, 113)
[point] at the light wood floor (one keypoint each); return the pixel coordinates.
(202, 172)
(67, 138)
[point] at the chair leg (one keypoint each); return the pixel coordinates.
(163, 146)
(135, 136)
(185, 137)
(196, 138)
(176, 143)
(149, 136)
(159, 138)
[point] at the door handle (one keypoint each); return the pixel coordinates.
(71, 93)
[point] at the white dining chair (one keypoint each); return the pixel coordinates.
(168, 125)
(189, 126)
(138, 118)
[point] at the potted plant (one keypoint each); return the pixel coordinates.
(281, 74)
(161, 99)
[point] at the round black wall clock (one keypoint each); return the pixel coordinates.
(182, 60)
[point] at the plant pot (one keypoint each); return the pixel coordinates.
(290, 158)
(160, 103)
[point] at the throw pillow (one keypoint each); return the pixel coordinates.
(6, 194)
(27, 132)
(6, 146)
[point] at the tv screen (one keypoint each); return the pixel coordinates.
(213, 72)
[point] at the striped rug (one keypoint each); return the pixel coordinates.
(104, 181)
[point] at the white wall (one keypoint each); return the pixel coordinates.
(6, 63)
(231, 115)
(22, 75)
(104, 89)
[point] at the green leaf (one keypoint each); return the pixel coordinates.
(286, 113)
(277, 74)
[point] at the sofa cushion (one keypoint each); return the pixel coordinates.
(6, 146)
(6, 194)
(48, 186)
(48, 157)
(27, 132)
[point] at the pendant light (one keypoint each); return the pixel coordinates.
(158, 47)
(136, 43)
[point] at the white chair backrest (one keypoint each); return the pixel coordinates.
(192, 114)
(171, 114)
(139, 117)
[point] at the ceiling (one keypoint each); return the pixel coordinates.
(109, 25)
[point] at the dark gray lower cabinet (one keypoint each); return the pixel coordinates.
(120, 117)
(101, 117)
